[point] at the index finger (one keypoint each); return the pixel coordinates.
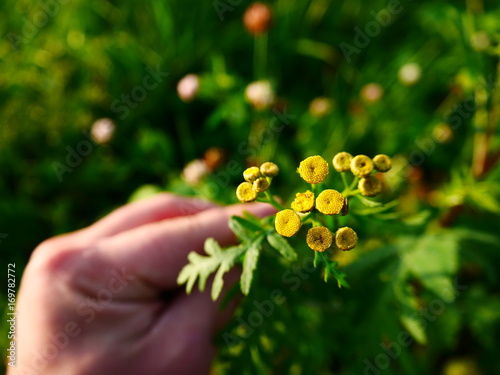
(157, 252)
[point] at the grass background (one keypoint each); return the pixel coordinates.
(56, 80)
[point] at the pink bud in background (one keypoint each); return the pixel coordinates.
(188, 87)
(102, 130)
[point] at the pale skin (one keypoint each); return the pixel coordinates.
(104, 299)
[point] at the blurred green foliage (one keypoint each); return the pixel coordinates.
(58, 78)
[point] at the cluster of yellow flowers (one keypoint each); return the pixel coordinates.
(314, 170)
(257, 180)
(362, 166)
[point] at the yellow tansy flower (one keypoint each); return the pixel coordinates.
(261, 184)
(303, 202)
(245, 192)
(319, 238)
(361, 166)
(314, 169)
(269, 169)
(287, 223)
(346, 238)
(251, 174)
(342, 162)
(382, 163)
(370, 186)
(330, 202)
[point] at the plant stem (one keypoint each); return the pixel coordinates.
(273, 202)
(344, 180)
(349, 191)
(260, 56)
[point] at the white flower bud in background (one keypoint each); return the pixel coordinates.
(320, 106)
(102, 130)
(195, 171)
(409, 74)
(188, 87)
(372, 92)
(260, 95)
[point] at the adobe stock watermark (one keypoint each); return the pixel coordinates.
(86, 310)
(45, 10)
(250, 148)
(425, 147)
(391, 352)
(139, 93)
(74, 156)
(223, 6)
(363, 37)
(265, 308)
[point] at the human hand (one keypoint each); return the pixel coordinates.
(104, 299)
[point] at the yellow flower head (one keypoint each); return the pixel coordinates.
(269, 169)
(319, 238)
(382, 163)
(370, 186)
(361, 166)
(346, 238)
(330, 202)
(245, 192)
(314, 169)
(342, 162)
(287, 223)
(261, 184)
(303, 202)
(251, 174)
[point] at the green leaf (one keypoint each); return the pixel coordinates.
(414, 328)
(433, 259)
(201, 267)
(376, 209)
(244, 229)
(282, 245)
(330, 269)
(249, 265)
(219, 280)
(368, 202)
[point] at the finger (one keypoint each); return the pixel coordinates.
(157, 252)
(159, 207)
(194, 320)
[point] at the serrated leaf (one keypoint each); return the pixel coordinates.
(249, 265)
(244, 229)
(219, 280)
(331, 268)
(282, 245)
(201, 267)
(238, 229)
(211, 247)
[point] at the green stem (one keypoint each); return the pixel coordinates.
(349, 191)
(273, 201)
(354, 183)
(260, 56)
(352, 193)
(344, 180)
